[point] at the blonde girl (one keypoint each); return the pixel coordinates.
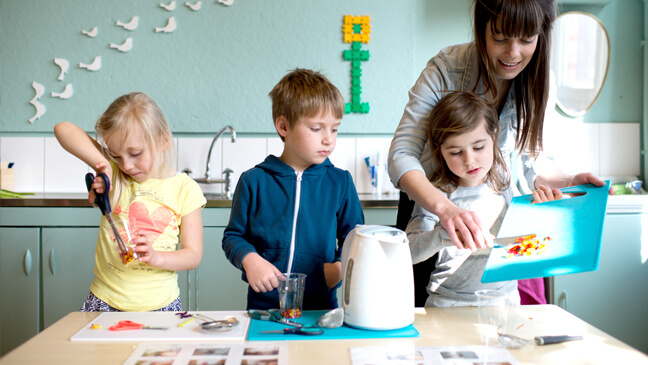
(134, 148)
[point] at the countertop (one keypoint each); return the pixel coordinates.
(616, 203)
(213, 200)
(437, 327)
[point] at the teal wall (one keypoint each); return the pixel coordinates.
(217, 68)
(621, 98)
(219, 65)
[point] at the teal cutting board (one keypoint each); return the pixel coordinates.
(575, 225)
(310, 317)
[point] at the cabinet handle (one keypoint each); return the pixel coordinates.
(52, 263)
(27, 263)
(562, 300)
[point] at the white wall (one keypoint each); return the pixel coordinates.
(42, 166)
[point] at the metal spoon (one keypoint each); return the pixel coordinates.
(331, 319)
(511, 341)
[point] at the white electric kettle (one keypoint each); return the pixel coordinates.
(378, 282)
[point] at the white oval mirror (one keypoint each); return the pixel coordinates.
(580, 55)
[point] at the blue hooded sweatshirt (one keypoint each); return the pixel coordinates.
(268, 198)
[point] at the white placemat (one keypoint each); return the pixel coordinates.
(189, 332)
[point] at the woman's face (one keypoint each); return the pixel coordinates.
(509, 56)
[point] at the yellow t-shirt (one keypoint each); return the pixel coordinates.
(158, 207)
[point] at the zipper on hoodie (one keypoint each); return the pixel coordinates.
(294, 226)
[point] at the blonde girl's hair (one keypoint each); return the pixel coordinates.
(457, 113)
(523, 19)
(304, 93)
(136, 112)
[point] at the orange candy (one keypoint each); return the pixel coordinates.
(528, 245)
(291, 313)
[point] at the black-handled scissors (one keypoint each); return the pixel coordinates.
(298, 331)
(271, 315)
(101, 200)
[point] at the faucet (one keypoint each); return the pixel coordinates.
(207, 179)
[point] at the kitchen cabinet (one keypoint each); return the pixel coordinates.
(380, 216)
(218, 283)
(19, 286)
(67, 269)
(613, 298)
(47, 263)
(46, 267)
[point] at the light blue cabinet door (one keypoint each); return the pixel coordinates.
(613, 298)
(380, 216)
(19, 286)
(219, 284)
(67, 267)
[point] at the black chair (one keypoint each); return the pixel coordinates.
(422, 270)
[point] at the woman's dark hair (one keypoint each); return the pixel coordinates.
(521, 19)
(456, 113)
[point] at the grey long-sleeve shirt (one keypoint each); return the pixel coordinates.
(458, 272)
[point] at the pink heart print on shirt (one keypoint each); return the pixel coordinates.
(153, 223)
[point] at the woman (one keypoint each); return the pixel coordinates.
(508, 64)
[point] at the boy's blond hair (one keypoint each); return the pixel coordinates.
(305, 93)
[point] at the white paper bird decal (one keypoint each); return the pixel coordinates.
(125, 47)
(169, 7)
(194, 7)
(91, 33)
(94, 66)
(131, 25)
(40, 108)
(170, 27)
(64, 65)
(66, 94)
(226, 2)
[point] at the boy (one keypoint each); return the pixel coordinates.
(289, 212)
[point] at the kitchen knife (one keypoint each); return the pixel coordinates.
(500, 241)
(512, 240)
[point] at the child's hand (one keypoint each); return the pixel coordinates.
(332, 273)
(144, 249)
(261, 275)
(98, 183)
(545, 194)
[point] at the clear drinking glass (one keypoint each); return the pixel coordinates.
(291, 294)
(126, 229)
(493, 313)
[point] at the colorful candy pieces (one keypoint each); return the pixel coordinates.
(528, 245)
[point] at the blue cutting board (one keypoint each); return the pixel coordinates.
(310, 317)
(575, 224)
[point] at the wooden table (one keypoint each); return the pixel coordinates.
(437, 326)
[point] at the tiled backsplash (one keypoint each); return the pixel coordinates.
(43, 166)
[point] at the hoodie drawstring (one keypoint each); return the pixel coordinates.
(294, 228)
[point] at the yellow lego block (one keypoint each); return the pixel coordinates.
(350, 38)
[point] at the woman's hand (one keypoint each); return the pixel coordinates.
(464, 228)
(452, 218)
(261, 274)
(588, 178)
(557, 179)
